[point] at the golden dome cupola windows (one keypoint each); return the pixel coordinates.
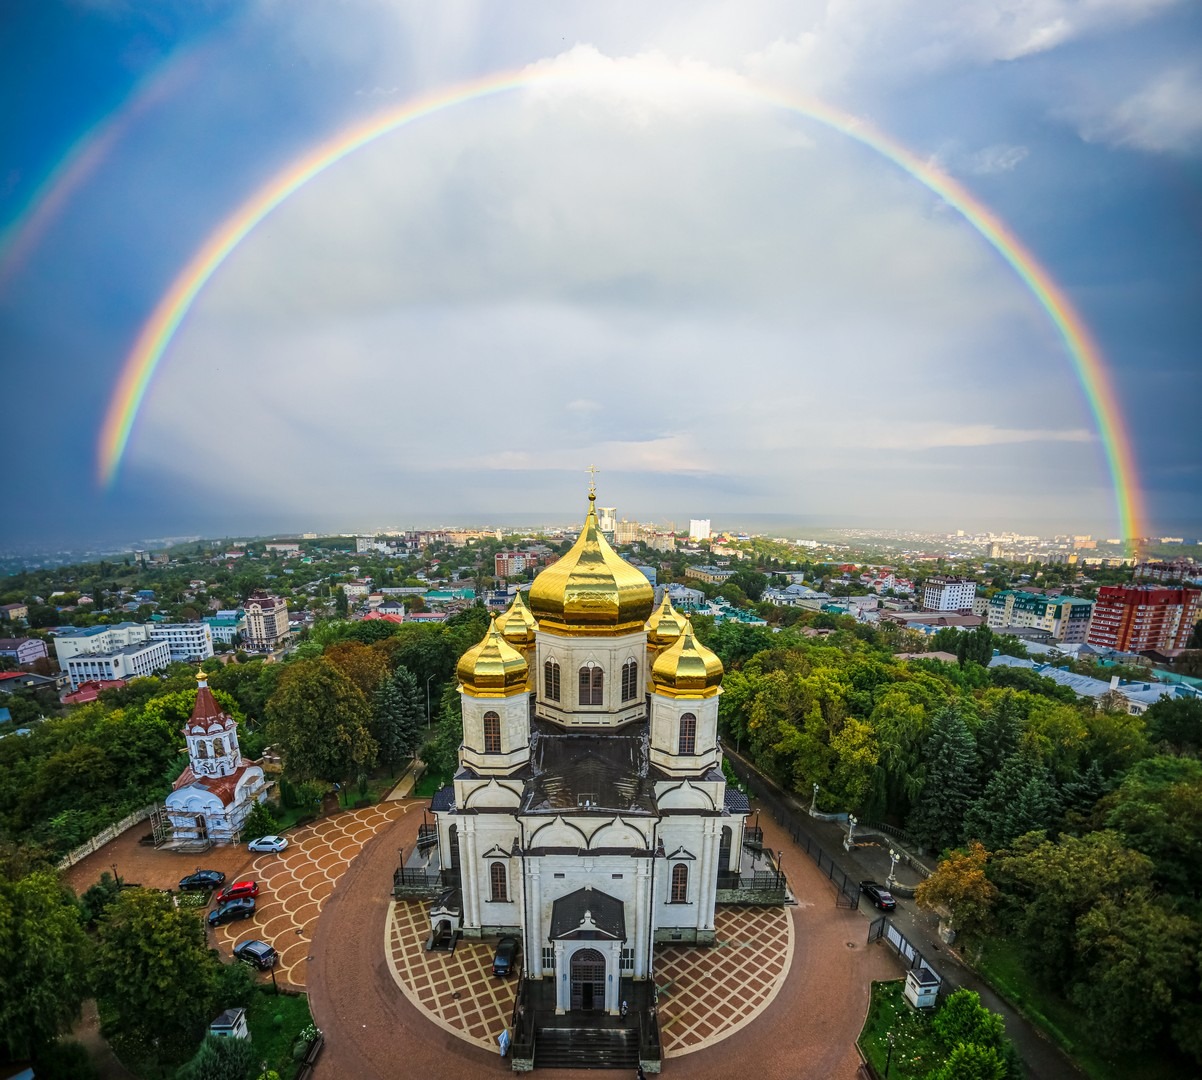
(592, 684)
(630, 680)
(551, 681)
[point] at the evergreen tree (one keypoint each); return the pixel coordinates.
(950, 761)
(1018, 798)
(397, 717)
(998, 735)
(977, 646)
(1080, 794)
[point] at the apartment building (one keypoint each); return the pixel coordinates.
(1065, 618)
(1134, 618)
(266, 621)
(944, 593)
(188, 642)
(126, 662)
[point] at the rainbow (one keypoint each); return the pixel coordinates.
(1084, 354)
(85, 155)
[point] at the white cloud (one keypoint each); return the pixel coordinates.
(1163, 115)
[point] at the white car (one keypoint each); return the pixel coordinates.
(268, 843)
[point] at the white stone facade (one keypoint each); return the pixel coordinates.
(188, 642)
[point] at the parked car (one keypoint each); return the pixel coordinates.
(202, 879)
(506, 956)
(242, 908)
(268, 843)
(238, 890)
(879, 895)
(256, 953)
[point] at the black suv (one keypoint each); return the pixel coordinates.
(203, 879)
(506, 956)
(256, 953)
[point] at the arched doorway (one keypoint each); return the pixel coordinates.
(588, 981)
(453, 838)
(202, 827)
(724, 850)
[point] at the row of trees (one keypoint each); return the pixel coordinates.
(1073, 831)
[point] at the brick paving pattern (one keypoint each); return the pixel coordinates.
(294, 885)
(706, 994)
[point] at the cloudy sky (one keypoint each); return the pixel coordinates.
(634, 258)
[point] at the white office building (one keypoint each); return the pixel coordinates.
(699, 529)
(187, 641)
(126, 662)
(97, 639)
(941, 593)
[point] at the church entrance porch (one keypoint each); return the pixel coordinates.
(588, 981)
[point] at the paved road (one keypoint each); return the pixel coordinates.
(1043, 1058)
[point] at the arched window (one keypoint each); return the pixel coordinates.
(630, 679)
(492, 733)
(218, 748)
(680, 884)
(551, 680)
(497, 883)
(687, 743)
(592, 679)
(202, 749)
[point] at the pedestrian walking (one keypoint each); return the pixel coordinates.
(623, 1009)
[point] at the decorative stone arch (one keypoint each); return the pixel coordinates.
(590, 680)
(686, 797)
(586, 972)
(558, 833)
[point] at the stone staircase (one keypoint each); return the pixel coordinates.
(586, 1048)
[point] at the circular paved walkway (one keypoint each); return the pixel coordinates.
(374, 1032)
(459, 993)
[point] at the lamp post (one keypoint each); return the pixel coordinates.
(814, 801)
(852, 822)
(890, 880)
(889, 1055)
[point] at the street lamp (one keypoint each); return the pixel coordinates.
(889, 1055)
(814, 801)
(890, 880)
(852, 822)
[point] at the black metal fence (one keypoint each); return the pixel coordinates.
(906, 951)
(847, 890)
(417, 877)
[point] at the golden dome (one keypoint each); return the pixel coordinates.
(517, 625)
(492, 668)
(687, 669)
(591, 590)
(666, 624)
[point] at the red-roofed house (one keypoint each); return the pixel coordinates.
(90, 691)
(216, 791)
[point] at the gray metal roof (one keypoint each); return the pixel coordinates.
(587, 914)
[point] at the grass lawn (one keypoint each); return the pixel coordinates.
(273, 1041)
(915, 1049)
(430, 783)
(1001, 963)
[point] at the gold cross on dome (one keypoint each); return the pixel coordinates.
(592, 470)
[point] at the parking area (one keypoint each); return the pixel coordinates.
(293, 885)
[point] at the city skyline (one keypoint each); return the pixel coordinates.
(743, 263)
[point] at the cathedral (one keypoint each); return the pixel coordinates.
(216, 791)
(589, 815)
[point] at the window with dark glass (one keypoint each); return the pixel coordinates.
(551, 680)
(592, 680)
(492, 733)
(630, 679)
(680, 884)
(498, 883)
(688, 734)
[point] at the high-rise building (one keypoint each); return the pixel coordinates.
(1133, 618)
(699, 529)
(942, 593)
(607, 519)
(1066, 618)
(192, 641)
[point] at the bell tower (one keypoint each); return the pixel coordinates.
(211, 735)
(493, 679)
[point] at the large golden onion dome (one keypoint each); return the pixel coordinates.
(687, 669)
(492, 668)
(665, 624)
(591, 590)
(517, 625)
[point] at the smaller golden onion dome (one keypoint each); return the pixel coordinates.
(665, 624)
(687, 669)
(517, 625)
(492, 668)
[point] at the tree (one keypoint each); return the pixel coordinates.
(43, 963)
(963, 1019)
(950, 759)
(154, 974)
(959, 885)
(1176, 725)
(341, 604)
(1135, 960)
(260, 822)
(321, 721)
(967, 1061)
(220, 1059)
(1018, 798)
(398, 712)
(976, 646)
(997, 737)
(364, 666)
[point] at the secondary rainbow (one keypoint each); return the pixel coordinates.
(1083, 352)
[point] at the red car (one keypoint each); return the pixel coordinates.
(238, 891)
